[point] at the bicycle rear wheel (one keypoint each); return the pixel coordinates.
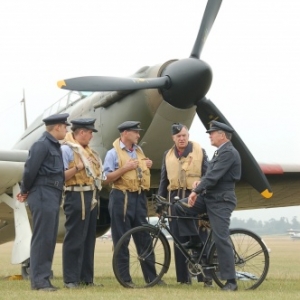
(141, 257)
(251, 259)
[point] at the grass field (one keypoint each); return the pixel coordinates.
(283, 280)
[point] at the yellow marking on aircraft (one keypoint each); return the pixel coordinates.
(266, 194)
(139, 80)
(61, 83)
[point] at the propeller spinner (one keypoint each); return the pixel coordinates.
(183, 84)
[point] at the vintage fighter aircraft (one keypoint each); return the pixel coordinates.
(158, 96)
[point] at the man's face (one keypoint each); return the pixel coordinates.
(86, 136)
(132, 136)
(217, 138)
(61, 131)
(181, 139)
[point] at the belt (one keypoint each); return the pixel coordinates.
(79, 188)
(53, 183)
(130, 191)
(220, 187)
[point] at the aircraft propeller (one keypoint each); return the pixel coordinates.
(183, 84)
(106, 83)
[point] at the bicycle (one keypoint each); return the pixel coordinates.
(250, 253)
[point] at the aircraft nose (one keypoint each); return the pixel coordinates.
(190, 81)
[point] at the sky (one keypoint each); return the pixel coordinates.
(253, 50)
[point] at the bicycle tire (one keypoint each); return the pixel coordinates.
(154, 255)
(251, 259)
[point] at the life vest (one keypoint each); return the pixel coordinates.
(184, 171)
(133, 180)
(92, 167)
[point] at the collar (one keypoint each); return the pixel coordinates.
(188, 149)
(222, 145)
(50, 137)
(122, 146)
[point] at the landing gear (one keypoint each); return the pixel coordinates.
(25, 269)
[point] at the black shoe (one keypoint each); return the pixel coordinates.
(192, 245)
(230, 287)
(92, 284)
(208, 283)
(161, 282)
(186, 282)
(71, 285)
(130, 284)
(46, 289)
(55, 287)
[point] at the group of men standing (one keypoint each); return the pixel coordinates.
(205, 186)
(71, 172)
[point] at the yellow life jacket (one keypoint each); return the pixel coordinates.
(184, 171)
(91, 160)
(133, 180)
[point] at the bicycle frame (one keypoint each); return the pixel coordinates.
(205, 249)
(151, 259)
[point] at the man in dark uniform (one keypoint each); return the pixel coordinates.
(42, 185)
(183, 164)
(83, 172)
(127, 168)
(215, 194)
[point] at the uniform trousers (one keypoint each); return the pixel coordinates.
(80, 238)
(44, 204)
(182, 273)
(135, 215)
(219, 206)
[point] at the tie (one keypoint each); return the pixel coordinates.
(216, 153)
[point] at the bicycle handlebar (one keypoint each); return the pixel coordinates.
(162, 206)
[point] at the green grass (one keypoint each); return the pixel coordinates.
(283, 280)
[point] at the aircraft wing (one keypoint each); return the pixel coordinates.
(11, 171)
(285, 183)
(11, 168)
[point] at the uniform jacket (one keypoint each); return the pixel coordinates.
(44, 165)
(224, 169)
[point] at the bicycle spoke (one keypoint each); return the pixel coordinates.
(251, 259)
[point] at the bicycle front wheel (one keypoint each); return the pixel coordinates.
(141, 257)
(251, 259)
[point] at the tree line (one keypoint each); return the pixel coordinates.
(272, 226)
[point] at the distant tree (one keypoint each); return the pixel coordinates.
(237, 223)
(269, 227)
(295, 224)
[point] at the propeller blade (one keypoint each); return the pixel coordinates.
(105, 83)
(209, 16)
(251, 171)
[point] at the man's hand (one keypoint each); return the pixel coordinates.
(22, 197)
(80, 165)
(92, 159)
(192, 199)
(195, 184)
(131, 164)
(149, 163)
